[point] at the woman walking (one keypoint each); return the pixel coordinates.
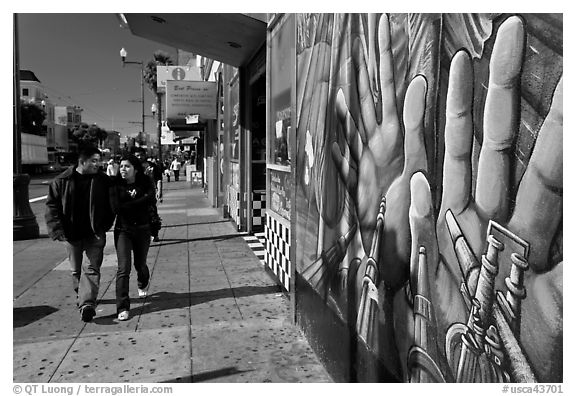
(131, 197)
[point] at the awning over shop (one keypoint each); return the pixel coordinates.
(228, 38)
(178, 136)
(181, 130)
(179, 125)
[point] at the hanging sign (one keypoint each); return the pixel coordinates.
(176, 73)
(167, 136)
(190, 98)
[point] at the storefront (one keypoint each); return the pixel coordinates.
(280, 166)
(385, 186)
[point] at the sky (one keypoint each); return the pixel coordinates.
(76, 57)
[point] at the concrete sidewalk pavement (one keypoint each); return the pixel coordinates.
(212, 313)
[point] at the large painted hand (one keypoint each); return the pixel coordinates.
(535, 216)
(538, 203)
(373, 154)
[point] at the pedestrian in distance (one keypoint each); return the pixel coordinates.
(112, 168)
(175, 167)
(157, 176)
(149, 170)
(78, 213)
(131, 197)
(167, 170)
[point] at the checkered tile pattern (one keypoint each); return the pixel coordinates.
(277, 254)
(258, 209)
(256, 243)
(234, 205)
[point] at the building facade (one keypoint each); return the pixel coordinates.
(410, 167)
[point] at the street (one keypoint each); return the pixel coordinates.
(28, 269)
(37, 191)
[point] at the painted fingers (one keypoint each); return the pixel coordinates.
(414, 110)
(501, 115)
(457, 176)
(538, 210)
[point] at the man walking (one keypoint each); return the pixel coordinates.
(149, 170)
(175, 167)
(78, 213)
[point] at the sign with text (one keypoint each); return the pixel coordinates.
(167, 136)
(280, 191)
(186, 98)
(176, 73)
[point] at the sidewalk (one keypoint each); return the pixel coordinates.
(212, 313)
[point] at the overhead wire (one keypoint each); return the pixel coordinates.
(71, 101)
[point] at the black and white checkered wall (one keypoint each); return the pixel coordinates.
(277, 255)
(258, 210)
(234, 205)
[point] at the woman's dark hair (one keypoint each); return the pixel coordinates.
(136, 164)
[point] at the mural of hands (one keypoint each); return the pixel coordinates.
(372, 157)
(535, 217)
(401, 280)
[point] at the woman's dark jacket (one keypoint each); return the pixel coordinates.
(134, 211)
(60, 204)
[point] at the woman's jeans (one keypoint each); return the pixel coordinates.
(86, 273)
(126, 241)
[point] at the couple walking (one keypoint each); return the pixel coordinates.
(82, 205)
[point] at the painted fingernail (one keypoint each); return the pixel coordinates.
(420, 197)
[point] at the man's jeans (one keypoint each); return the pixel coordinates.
(135, 240)
(86, 274)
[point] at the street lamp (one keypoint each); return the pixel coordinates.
(123, 55)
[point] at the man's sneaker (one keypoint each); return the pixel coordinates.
(124, 315)
(87, 312)
(143, 292)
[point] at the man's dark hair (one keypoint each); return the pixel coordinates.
(86, 152)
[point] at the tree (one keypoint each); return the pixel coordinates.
(160, 59)
(85, 134)
(32, 118)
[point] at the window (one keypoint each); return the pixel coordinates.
(282, 58)
(25, 92)
(281, 132)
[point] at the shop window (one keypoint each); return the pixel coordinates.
(281, 131)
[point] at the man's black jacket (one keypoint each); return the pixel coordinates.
(60, 204)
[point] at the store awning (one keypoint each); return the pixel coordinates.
(182, 135)
(229, 38)
(178, 125)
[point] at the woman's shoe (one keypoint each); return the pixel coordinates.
(124, 315)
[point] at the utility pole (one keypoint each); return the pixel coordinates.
(123, 55)
(24, 222)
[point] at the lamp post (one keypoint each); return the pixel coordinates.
(123, 55)
(24, 222)
(157, 109)
(154, 110)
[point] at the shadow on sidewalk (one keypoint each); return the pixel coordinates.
(193, 224)
(163, 301)
(26, 315)
(208, 375)
(217, 238)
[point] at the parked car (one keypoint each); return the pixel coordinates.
(52, 168)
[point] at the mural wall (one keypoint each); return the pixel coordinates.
(429, 195)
